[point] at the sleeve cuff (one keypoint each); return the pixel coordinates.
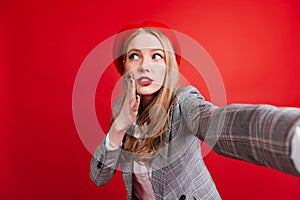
(107, 144)
(295, 154)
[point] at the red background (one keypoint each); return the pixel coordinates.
(255, 44)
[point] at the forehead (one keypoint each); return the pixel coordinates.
(145, 41)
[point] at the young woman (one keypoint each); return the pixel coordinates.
(156, 127)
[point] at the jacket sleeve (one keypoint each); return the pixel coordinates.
(104, 164)
(260, 134)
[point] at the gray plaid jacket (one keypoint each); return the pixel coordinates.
(259, 134)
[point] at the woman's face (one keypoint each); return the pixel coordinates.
(145, 60)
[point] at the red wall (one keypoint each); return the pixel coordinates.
(255, 45)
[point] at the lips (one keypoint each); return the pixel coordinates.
(144, 81)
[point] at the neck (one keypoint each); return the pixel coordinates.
(146, 99)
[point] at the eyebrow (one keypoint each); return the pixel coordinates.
(147, 48)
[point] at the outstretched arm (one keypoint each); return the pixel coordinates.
(261, 134)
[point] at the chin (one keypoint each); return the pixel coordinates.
(149, 90)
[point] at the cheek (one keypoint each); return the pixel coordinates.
(162, 71)
(160, 74)
(128, 68)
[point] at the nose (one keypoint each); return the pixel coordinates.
(145, 64)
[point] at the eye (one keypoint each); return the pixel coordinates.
(157, 56)
(133, 56)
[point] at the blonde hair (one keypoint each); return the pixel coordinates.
(156, 114)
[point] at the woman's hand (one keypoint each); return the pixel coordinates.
(127, 114)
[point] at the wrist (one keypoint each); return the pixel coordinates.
(116, 128)
(116, 135)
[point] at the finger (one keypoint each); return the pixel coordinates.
(128, 82)
(131, 90)
(136, 104)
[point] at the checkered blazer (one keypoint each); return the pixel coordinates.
(259, 134)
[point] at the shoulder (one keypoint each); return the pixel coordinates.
(187, 93)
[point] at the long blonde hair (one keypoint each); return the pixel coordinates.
(156, 114)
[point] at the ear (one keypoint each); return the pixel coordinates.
(124, 61)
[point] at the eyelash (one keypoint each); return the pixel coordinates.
(157, 54)
(131, 56)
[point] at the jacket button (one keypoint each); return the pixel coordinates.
(99, 165)
(182, 197)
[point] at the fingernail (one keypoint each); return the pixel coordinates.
(129, 76)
